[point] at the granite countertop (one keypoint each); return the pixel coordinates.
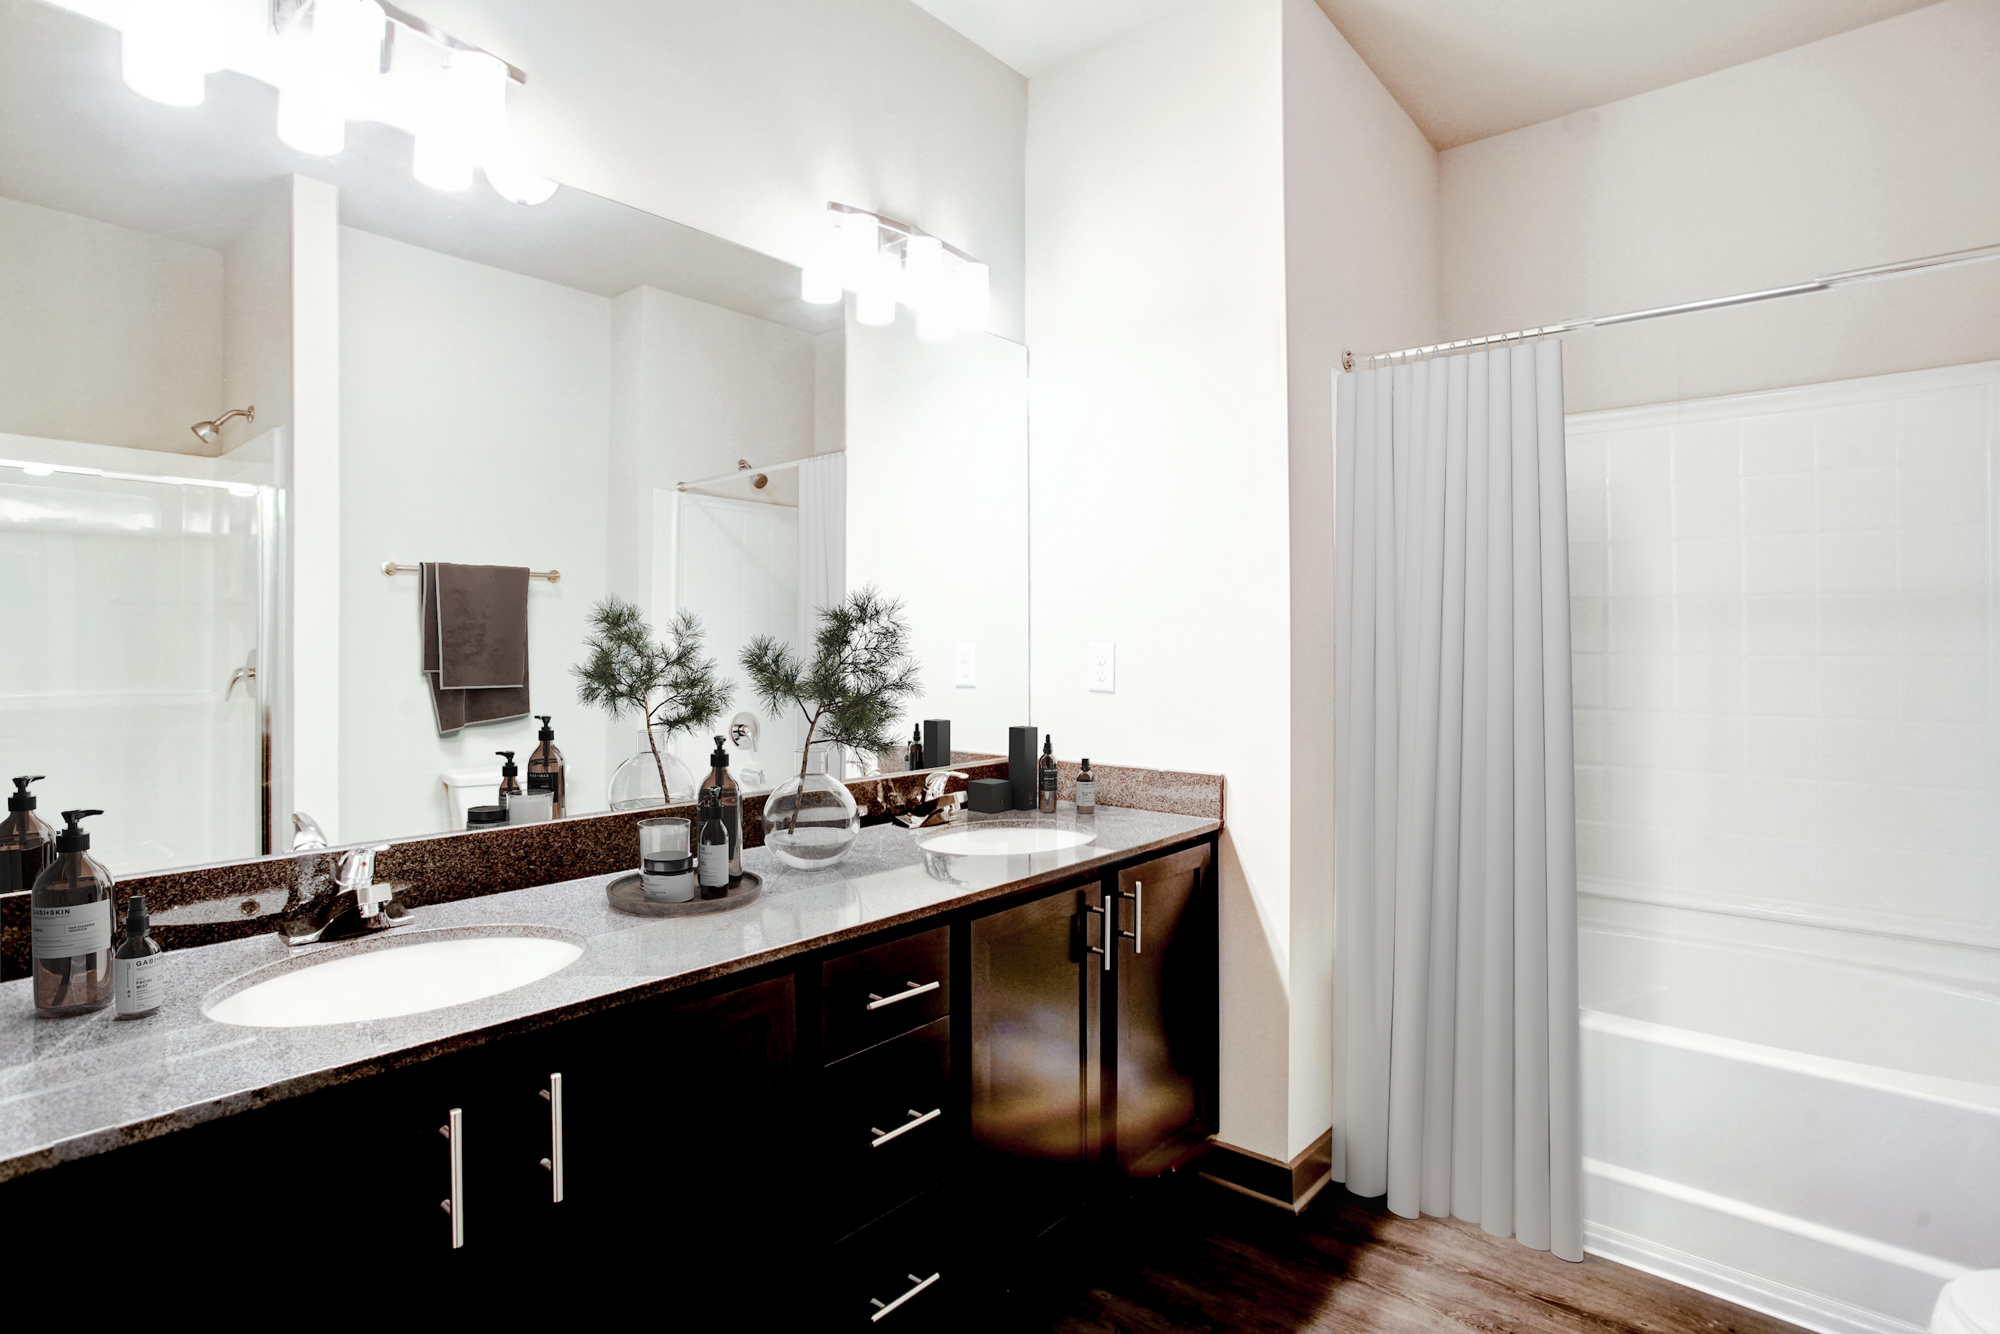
(78, 1086)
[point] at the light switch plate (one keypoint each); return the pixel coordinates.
(1102, 661)
(965, 666)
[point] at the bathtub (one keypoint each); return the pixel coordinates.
(1818, 1140)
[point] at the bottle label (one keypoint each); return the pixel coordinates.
(137, 984)
(1086, 792)
(64, 933)
(713, 871)
(542, 783)
(1048, 780)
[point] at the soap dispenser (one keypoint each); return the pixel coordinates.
(70, 915)
(26, 841)
(135, 967)
(510, 776)
(545, 768)
(1086, 789)
(729, 798)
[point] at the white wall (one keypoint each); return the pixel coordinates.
(1361, 237)
(1156, 302)
(112, 336)
(474, 427)
(745, 118)
(257, 320)
(1876, 145)
(695, 388)
(937, 494)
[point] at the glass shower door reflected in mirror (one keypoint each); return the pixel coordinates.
(129, 677)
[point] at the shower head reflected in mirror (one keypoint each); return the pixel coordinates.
(210, 433)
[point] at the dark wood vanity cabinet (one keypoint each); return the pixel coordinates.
(886, 1124)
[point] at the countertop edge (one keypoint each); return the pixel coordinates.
(95, 1142)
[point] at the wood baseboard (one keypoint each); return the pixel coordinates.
(1289, 1186)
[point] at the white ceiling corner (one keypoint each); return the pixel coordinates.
(1034, 36)
(1467, 69)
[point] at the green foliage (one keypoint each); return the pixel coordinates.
(670, 686)
(860, 676)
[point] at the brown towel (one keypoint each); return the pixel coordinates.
(474, 627)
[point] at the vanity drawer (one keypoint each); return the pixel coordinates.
(887, 1124)
(871, 995)
(901, 1273)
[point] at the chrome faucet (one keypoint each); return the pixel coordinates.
(356, 903)
(935, 784)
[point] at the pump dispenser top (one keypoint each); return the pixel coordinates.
(547, 733)
(74, 837)
(22, 799)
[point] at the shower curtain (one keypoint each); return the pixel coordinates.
(822, 541)
(1456, 1024)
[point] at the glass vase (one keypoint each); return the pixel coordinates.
(811, 822)
(635, 784)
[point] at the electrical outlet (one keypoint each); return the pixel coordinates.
(965, 667)
(1102, 660)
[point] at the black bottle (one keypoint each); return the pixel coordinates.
(729, 798)
(135, 966)
(545, 769)
(510, 776)
(913, 759)
(1047, 776)
(26, 841)
(71, 914)
(711, 867)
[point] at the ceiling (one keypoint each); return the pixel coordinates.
(1466, 69)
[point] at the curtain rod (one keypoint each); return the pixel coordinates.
(1348, 360)
(744, 469)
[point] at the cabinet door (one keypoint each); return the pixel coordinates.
(1162, 1067)
(680, 1134)
(1033, 1016)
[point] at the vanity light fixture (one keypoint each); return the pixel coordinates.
(334, 61)
(885, 263)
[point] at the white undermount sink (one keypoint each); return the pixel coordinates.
(424, 971)
(1005, 840)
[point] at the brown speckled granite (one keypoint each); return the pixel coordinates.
(231, 900)
(1164, 790)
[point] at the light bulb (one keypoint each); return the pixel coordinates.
(38, 469)
(875, 298)
(517, 186)
(857, 239)
(167, 50)
(310, 117)
(347, 45)
(463, 122)
(971, 296)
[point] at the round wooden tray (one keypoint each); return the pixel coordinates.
(627, 897)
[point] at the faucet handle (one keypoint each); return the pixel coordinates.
(355, 868)
(934, 785)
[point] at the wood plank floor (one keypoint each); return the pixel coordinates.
(1191, 1256)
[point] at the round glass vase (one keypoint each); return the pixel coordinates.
(811, 822)
(635, 784)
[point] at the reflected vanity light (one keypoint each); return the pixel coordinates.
(333, 61)
(886, 263)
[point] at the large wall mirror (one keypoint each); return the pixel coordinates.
(202, 636)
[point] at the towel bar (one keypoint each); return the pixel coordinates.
(390, 567)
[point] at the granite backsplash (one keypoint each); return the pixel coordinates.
(204, 904)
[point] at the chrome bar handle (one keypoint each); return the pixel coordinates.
(917, 1118)
(1108, 913)
(921, 1283)
(1138, 931)
(454, 1131)
(552, 1095)
(876, 1002)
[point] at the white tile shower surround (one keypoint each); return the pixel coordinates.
(1785, 658)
